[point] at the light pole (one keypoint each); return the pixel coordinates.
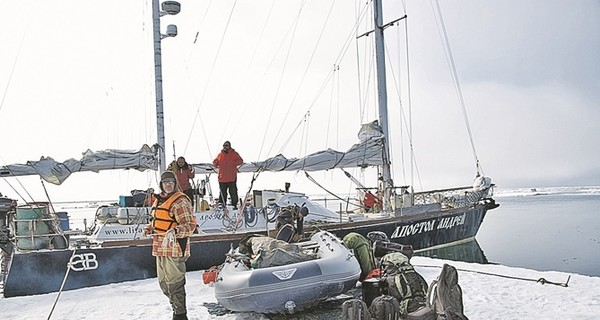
(171, 8)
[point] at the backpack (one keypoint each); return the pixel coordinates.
(444, 296)
(355, 309)
(403, 282)
(362, 250)
(381, 248)
(385, 308)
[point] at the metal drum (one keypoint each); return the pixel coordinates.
(32, 230)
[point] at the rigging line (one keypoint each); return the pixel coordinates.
(337, 111)
(283, 70)
(347, 201)
(403, 117)
(403, 125)
(358, 74)
(337, 61)
(12, 71)
(277, 90)
(47, 195)
(199, 27)
(329, 115)
(250, 64)
(17, 192)
(368, 66)
(306, 115)
(412, 158)
(212, 68)
(20, 184)
(304, 74)
(452, 66)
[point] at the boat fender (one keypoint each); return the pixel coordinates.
(209, 276)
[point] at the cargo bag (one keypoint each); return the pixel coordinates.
(355, 309)
(381, 248)
(403, 283)
(444, 296)
(362, 250)
(385, 307)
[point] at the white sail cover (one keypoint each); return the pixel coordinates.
(56, 172)
(367, 152)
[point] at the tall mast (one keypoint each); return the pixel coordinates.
(388, 185)
(172, 8)
(160, 119)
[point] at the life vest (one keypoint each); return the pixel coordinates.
(163, 221)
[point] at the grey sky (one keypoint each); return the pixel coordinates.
(529, 71)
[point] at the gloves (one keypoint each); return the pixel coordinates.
(146, 232)
(169, 239)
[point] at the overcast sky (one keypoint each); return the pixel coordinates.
(76, 75)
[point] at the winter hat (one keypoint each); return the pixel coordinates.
(169, 175)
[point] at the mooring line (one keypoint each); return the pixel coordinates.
(540, 280)
(62, 284)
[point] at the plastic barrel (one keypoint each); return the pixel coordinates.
(29, 227)
(64, 220)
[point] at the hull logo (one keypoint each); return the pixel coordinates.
(83, 262)
(285, 274)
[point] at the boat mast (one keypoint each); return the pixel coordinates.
(388, 185)
(172, 8)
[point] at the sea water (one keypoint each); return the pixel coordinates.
(544, 229)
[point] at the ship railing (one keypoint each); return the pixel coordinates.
(452, 197)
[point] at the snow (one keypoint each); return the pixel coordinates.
(485, 296)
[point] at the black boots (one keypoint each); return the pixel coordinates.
(181, 316)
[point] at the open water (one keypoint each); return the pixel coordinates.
(544, 229)
(538, 228)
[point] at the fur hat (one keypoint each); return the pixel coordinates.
(169, 175)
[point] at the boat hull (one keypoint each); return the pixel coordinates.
(38, 272)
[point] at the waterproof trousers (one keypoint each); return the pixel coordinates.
(171, 279)
(233, 193)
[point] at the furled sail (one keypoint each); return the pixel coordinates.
(57, 172)
(367, 152)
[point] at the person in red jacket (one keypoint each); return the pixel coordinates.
(185, 173)
(371, 202)
(228, 161)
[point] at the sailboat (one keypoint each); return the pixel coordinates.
(36, 250)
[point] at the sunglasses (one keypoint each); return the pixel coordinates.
(169, 181)
(226, 145)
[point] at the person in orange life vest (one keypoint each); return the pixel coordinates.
(172, 224)
(185, 173)
(370, 200)
(228, 161)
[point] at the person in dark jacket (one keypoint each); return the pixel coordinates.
(290, 223)
(228, 161)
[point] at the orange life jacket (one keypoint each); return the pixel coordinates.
(163, 221)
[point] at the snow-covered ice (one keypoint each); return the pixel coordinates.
(485, 297)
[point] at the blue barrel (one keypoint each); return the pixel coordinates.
(64, 220)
